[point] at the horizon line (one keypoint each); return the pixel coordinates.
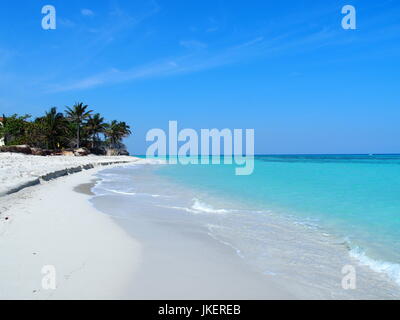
(284, 154)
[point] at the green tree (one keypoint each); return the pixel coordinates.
(54, 126)
(115, 132)
(94, 126)
(14, 129)
(35, 133)
(77, 115)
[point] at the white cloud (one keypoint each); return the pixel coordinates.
(251, 42)
(65, 22)
(212, 29)
(116, 76)
(203, 59)
(87, 12)
(193, 44)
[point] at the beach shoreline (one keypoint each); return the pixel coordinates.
(193, 242)
(20, 171)
(181, 261)
(54, 224)
(124, 245)
(52, 227)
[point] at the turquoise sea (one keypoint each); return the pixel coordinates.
(352, 200)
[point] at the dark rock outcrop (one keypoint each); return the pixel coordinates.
(98, 151)
(25, 149)
(117, 152)
(41, 152)
(81, 152)
(123, 153)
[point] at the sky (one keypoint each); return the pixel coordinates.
(285, 68)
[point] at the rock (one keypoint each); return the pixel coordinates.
(81, 152)
(25, 149)
(123, 153)
(117, 152)
(112, 152)
(54, 175)
(41, 152)
(74, 170)
(67, 153)
(98, 151)
(37, 152)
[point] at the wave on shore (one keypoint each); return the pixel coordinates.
(292, 248)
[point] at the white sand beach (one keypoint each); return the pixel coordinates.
(51, 224)
(18, 170)
(123, 246)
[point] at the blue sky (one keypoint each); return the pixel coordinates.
(285, 68)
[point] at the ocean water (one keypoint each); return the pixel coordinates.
(301, 218)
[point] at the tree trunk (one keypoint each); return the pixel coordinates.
(78, 137)
(93, 140)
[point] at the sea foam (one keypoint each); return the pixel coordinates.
(392, 270)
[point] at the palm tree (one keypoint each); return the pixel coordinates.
(13, 129)
(54, 127)
(95, 125)
(77, 114)
(116, 131)
(3, 131)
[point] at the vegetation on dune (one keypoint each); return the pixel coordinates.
(14, 129)
(115, 132)
(77, 127)
(95, 126)
(77, 115)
